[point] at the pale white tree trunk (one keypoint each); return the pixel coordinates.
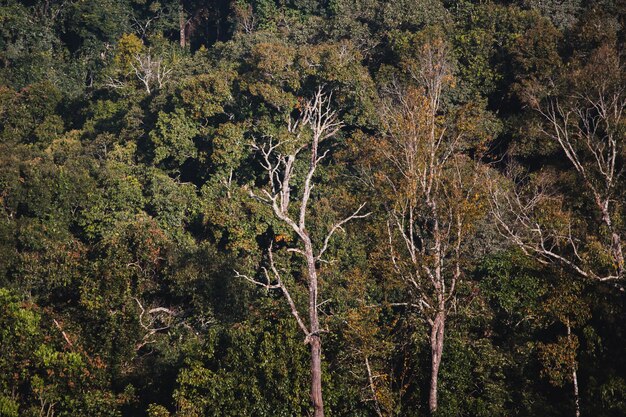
(436, 350)
(574, 378)
(323, 124)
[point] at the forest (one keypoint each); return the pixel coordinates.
(312, 208)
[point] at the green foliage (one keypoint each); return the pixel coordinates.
(206, 94)
(275, 381)
(513, 284)
(41, 370)
(123, 214)
(30, 114)
(128, 47)
(173, 138)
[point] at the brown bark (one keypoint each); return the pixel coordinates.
(436, 347)
(314, 340)
(316, 376)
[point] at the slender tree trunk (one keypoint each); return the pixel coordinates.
(574, 379)
(576, 396)
(315, 341)
(436, 348)
(182, 23)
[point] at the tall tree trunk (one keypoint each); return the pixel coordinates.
(574, 378)
(576, 396)
(318, 115)
(436, 349)
(316, 376)
(315, 341)
(182, 23)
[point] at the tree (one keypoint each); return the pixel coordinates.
(433, 193)
(279, 159)
(133, 60)
(567, 307)
(588, 128)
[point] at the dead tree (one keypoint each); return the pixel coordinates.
(154, 321)
(279, 159)
(246, 18)
(588, 128)
(150, 71)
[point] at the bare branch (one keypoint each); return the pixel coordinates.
(338, 226)
(65, 336)
(150, 70)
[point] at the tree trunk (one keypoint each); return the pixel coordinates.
(315, 341)
(436, 349)
(576, 396)
(316, 376)
(182, 23)
(574, 378)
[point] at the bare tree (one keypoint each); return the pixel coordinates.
(142, 27)
(153, 321)
(588, 128)
(246, 18)
(432, 197)
(114, 83)
(279, 159)
(151, 71)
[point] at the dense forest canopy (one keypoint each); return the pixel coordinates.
(312, 207)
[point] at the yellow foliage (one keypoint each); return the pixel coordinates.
(128, 47)
(558, 359)
(282, 238)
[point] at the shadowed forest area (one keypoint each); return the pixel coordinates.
(312, 208)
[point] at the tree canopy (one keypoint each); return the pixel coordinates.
(298, 207)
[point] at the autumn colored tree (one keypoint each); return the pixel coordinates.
(433, 192)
